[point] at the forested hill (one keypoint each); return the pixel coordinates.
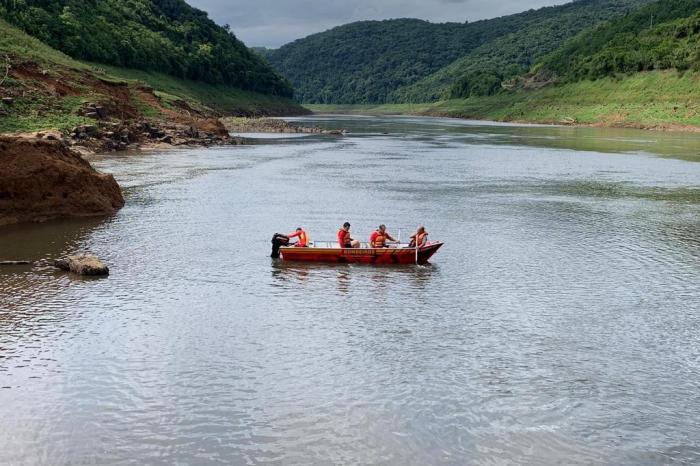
(482, 71)
(662, 35)
(166, 36)
(369, 61)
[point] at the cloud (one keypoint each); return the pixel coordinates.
(272, 23)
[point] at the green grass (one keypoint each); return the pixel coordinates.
(202, 96)
(28, 115)
(14, 42)
(37, 108)
(658, 98)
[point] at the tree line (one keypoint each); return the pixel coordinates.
(167, 36)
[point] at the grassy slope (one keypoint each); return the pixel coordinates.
(653, 99)
(37, 107)
(202, 96)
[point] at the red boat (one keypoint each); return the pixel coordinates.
(330, 252)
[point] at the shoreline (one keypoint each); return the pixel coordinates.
(378, 110)
(50, 176)
(663, 101)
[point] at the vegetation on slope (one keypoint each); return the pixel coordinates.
(368, 61)
(482, 71)
(657, 99)
(639, 70)
(662, 35)
(166, 36)
(50, 90)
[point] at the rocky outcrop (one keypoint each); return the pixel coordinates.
(42, 179)
(107, 136)
(270, 125)
(82, 265)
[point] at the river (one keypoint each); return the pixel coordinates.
(559, 324)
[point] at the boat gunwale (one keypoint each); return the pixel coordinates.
(404, 249)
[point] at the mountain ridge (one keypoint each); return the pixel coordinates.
(369, 61)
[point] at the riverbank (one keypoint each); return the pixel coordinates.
(42, 179)
(271, 125)
(658, 100)
(55, 110)
(44, 89)
(46, 176)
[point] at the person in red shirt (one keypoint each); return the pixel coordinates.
(379, 237)
(302, 242)
(344, 238)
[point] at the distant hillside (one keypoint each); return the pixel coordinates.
(639, 70)
(662, 35)
(482, 71)
(167, 36)
(46, 89)
(369, 61)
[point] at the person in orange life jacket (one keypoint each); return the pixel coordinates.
(302, 242)
(344, 238)
(379, 237)
(419, 239)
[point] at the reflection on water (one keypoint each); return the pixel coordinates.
(558, 324)
(380, 277)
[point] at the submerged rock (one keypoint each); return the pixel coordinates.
(43, 179)
(83, 265)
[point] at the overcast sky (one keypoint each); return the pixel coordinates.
(271, 23)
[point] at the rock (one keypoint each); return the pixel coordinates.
(101, 111)
(51, 136)
(83, 265)
(166, 139)
(92, 115)
(44, 179)
(8, 100)
(86, 130)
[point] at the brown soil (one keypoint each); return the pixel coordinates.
(208, 125)
(43, 179)
(51, 82)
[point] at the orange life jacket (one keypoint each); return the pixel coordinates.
(417, 240)
(302, 239)
(379, 241)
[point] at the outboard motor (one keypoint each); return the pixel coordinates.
(278, 240)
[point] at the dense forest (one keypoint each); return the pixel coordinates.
(662, 35)
(167, 36)
(379, 61)
(482, 71)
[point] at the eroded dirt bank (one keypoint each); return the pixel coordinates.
(43, 179)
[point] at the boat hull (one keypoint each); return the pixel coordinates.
(389, 256)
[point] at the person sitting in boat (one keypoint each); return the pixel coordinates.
(379, 237)
(344, 238)
(303, 241)
(419, 239)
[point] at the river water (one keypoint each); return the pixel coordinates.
(559, 324)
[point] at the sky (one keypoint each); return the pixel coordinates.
(271, 23)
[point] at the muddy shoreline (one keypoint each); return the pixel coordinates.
(47, 174)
